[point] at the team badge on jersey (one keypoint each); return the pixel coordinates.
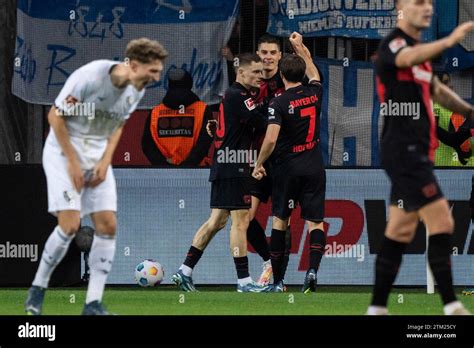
(397, 44)
(271, 112)
(429, 190)
(250, 104)
(68, 196)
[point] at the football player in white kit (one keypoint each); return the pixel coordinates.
(86, 124)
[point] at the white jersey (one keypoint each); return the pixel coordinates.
(101, 108)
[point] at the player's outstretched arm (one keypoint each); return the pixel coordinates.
(411, 56)
(58, 124)
(296, 40)
(448, 99)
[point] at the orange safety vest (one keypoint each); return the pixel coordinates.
(176, 132)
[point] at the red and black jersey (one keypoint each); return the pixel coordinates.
(297, 111)
(402, 90)
(239, 116)
(270, 88)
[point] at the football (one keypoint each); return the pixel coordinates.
(149, 273)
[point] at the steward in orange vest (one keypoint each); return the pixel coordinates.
(175, 132)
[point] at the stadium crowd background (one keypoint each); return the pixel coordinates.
(351, 127)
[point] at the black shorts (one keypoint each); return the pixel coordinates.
(231, 194)
(309, 191)
(414, 184)
(262, 189)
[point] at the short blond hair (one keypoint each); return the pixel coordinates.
(145, 50)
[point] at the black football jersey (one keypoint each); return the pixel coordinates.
(297, 111)
(239, 116)
(404, 94)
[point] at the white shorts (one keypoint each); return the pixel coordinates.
(61, 192)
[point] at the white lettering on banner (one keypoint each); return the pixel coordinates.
(57, 47)
(307, 7)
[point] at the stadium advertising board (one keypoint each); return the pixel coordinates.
(159, 211)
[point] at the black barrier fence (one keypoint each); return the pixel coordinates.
(26, 225)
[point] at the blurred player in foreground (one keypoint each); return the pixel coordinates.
(86, 121)
(405, 80)
(292, 138)
(230, 176)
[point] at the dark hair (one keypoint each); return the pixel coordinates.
(245, 59)
(269, 39)
(179, 78)
(293, 68)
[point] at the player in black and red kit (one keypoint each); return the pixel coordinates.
(269, 51)
(230, 175)
(405, 81)
(292, 139)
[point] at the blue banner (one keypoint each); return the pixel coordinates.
(455, 13)
(146, 12)
(55, 37)
(348, 18)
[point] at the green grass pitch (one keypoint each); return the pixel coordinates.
(166, 300)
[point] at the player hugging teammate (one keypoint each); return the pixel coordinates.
(298, 174)
(230, 175)
(298, 165)
(77, 161)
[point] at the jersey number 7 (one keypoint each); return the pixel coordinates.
(311, 113)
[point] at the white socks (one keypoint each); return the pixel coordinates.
(101, 257)
(244, 281)
(451, 307)
(54, 250)
(187, 271)
(377, 310)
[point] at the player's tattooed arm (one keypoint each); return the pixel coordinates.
(448, 99)
(271, 137)
(58, 125)
(100, 169)
(414, 55)
(296, 40)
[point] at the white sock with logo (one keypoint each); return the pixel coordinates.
(55, 248)
(101, 257)
(187, 271)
